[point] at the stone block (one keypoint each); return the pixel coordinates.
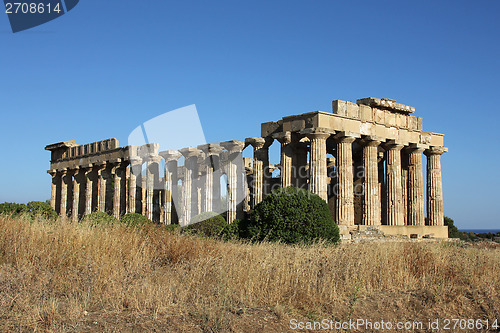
(366, 128)
(390, 119)
(401, 121)
(268, 128)
(412, 123)
(425, 138)
(437, 140)
(365, 113)
(345, 109)
(419, 123)
(379, 116)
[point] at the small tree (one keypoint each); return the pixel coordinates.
(208, 224)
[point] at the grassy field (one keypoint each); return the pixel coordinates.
(67, 277)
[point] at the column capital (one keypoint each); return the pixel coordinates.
(371, 140)
(152, 159)
(170, 155)
(435, 150)
(283, 137)
(52, 172)
(416, 148)
(317, 132)
(211, 149)
(190, 152)
(393, 145)
(259, 142)
(233, 146)
(135, 160)
(346, 137)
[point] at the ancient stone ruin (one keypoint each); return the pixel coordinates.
(364, 159)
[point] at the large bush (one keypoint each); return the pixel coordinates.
(12, 209)
(207, 224)
(33, 208)
(134, 219)
(292, 215)
(43, 209)
(98, 218)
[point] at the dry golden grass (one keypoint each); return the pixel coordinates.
(67, 277)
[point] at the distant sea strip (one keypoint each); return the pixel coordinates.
(481, 231)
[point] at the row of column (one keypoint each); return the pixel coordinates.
(152, 195)
(396, 201)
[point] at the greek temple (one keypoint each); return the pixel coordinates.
(365, 159)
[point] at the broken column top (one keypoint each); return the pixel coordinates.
(386, 104)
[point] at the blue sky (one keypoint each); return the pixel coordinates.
(107, 66)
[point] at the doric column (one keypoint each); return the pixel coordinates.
(317, 161)
(404, 184)
(115, 173)
(101, 187)
(371, 196)
(234, 179)
(53, 190)
(415, 187)
(64, 192)
(435, 212)
(88, 189)
(152, 170)
(299, 163)
(394, 189)
(285, 138)
(189, 188)
(260, 162)
(135, 170)
(76, 194)
(345, 178)
(170, 183)
(209, 178)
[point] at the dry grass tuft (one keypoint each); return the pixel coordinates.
(67, 277)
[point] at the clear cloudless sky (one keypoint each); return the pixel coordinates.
(107, 66)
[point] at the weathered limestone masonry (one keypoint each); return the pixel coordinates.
(364, 159)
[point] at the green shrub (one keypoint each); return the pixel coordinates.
(173, 228)
(292, 215)
(453, 231)
(43, 209)
(134, 219)
(12, 209)
(99, 218)
(208, 224)
(232, 231)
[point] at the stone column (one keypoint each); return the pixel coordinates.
(170, 183)
(76, 195)
(211, 176)
(317, 162)
(135, 170)
(53, 190)
(285, 139)
(404, 184)
(234, 205)
(101, 187)
(152, 170)
(415, 187)
(260, 163)
(115, 173)
(394, 189)
(371, 196)
(435, 212)
(88, 190)
(64, 193)
(345, 178)
(300, 164)
(189, 189)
